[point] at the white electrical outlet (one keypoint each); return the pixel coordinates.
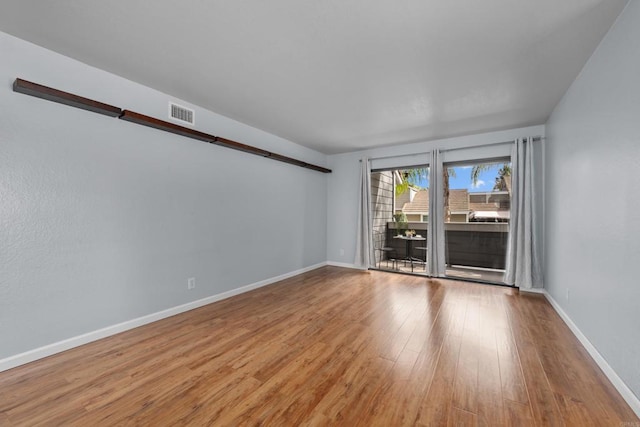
(567, 294)
(191, 282)
(341, 252)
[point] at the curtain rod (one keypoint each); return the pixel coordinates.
(535, 138)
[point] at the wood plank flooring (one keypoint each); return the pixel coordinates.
(330, 347)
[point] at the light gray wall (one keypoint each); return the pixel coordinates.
(593, 199)
(342, 203)
(102, 221)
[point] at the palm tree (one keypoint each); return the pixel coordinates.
(501, 182)
(410, 178)
(446, 174)
(476, 170)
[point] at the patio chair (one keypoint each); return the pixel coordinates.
(387, 252)
(422, 248)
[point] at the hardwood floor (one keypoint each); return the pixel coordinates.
(330, 347)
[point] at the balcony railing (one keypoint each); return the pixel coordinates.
(472, 244)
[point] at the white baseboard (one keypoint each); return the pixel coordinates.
(345, 265)
(533, 290)
(617, 382)
(60, 346)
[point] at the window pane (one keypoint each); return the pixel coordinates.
(400, 206)
(477, 210)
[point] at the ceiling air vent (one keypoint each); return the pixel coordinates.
(181, 114)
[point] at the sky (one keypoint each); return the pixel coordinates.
(462, 179)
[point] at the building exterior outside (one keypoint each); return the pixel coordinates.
(464, 206)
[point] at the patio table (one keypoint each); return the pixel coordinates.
(409, 248)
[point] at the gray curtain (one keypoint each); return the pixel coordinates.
(364, 239)
(523, 257)
(435, 228)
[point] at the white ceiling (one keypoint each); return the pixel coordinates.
(336, 75)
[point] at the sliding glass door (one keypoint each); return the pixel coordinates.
(477, 202)
(400, 211)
